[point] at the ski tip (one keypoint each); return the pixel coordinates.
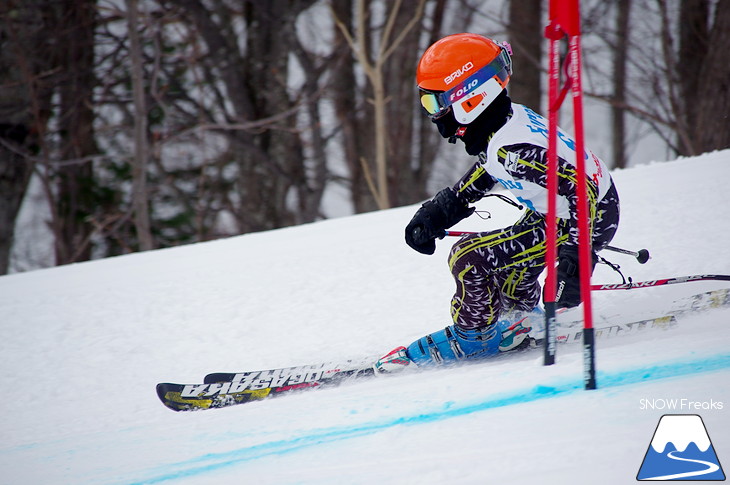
(167, 392)
(161, 389)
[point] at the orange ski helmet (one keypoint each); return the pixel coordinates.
(465, 72)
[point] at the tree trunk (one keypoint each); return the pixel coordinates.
(399, 22)
(268, 160)
(693, 37)
(354, 117)
(15, 173)
(22, 109)
(405, 184)
(75, 203)
(525, 35)
(713, 108)
(618, 112)
(310, 187)
(141, 148)
(265, 174)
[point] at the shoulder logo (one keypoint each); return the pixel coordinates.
(680, 450)
(511, 161)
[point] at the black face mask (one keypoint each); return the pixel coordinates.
(447, 126)
(475, 134)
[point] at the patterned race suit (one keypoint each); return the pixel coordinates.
(497, 271)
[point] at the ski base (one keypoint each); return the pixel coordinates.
(227, 389)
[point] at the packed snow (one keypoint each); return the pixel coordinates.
(84, 345)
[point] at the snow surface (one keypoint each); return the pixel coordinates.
(84, 345)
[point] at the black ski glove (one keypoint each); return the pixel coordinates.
(568, 287)
(435, 216)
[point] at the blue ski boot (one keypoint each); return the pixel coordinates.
(449, 345)
(454, 344)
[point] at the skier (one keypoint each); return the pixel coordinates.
(462, 81)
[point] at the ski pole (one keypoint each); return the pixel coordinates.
(661, 282)
(457, 233)
(642, 255)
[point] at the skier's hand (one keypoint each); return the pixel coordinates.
(568, 287)
(419, 237)
(433, 218)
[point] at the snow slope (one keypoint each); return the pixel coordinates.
(84, 345)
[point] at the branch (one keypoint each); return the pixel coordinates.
(387, 29)
(369, 179)
(631, 108)
(411, 23)
(45, 161)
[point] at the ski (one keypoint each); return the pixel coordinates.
(702, 302)
(575, 334)
(633, 285)
(223, 389)
(690, 304)
(227, 389)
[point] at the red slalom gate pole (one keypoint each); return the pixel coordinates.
(565, 20)
(554, 33)
(584, 232)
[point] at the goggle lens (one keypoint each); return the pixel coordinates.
(431, 102)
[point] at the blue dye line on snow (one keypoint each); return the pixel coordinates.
(562, 387)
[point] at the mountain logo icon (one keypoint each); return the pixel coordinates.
(681, 450)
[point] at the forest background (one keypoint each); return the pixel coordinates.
(130, 125)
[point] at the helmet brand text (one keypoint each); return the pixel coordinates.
(459, 72)
(463, 90)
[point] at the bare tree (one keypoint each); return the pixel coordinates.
(374, 65)
(221, 125)
(693, 44)
(314, 175)
(141, 148)
(22, 69)
(426, 143)
(353, 117)
(669, 71)
(267, 156)
(697, 70)
(525, 31)
(713, 111)
(73, 55)
(618, 113)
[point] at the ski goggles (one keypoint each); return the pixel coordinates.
(437, 103)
